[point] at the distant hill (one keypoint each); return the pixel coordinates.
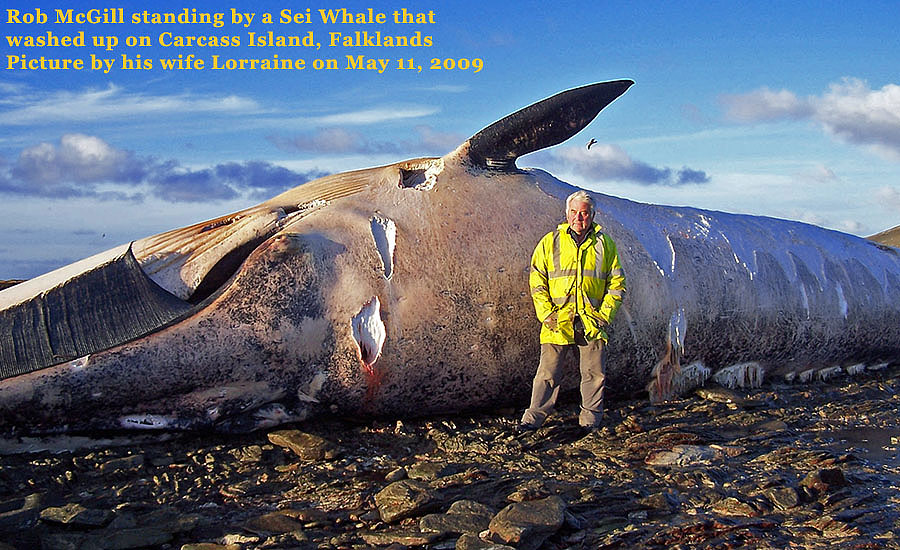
(891, 237)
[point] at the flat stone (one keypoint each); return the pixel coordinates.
(732, 506)
(245, 488)
(170, 520)
(773, 426)
(665, 501)
(830, 527)
(396, 475)
(20, 513)
(125, 539)
(62, 541)
(274, 523)
(729, 451)
(472, 542)
(404, 499)
(126, 463)
(784, 498)
(471, 507)
(161, 529)
(405, 538)
(532, 489)
(683, 455)
(718, 394)
(76, 515)
(427, 471)
(528, 524)
(251, 453)
(238, 539)
(825, 480)
(304, 445)
(464, 516)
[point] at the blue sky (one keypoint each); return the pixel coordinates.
(773, 108)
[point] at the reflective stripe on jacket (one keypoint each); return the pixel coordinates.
(585, 280)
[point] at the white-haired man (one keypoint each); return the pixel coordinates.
(577, 285)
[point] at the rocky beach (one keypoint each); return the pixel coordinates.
(786, 465)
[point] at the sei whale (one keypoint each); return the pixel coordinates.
(402, 289)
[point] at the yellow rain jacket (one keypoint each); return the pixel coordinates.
(571, 280)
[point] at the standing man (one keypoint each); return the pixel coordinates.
(577, 285)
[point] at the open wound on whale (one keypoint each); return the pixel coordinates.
(420, 174)
(369, 334)
(663, 375)
(384, 232)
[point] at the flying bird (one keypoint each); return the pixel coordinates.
(593, 141)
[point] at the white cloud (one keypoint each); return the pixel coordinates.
(373, 116)
(24, 106)
(438, 142)
(340, 141)
(610, 162)
(765, 105)
(855, 113)
(851, 226)
(821, 172)
(325, 140)
(817, 175)
(77, 159)
(822, 220)
(87, 166)
(113, 102)
(849, 110)
(10, 88)
(889, 198)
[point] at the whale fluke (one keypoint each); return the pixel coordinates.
(542, 124)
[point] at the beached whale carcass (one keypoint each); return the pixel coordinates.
(403, 289)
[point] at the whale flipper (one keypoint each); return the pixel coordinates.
(104, 306)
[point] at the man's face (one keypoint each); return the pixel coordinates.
(579, 216)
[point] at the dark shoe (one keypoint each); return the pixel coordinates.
(522, 428)
(588, 430)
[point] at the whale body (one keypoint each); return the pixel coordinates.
(403, 289)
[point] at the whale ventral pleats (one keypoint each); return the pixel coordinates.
(541, 125)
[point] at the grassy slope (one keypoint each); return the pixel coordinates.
(891, 237)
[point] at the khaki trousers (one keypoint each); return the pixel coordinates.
(545, 388)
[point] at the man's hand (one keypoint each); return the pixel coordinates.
(551, 320)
